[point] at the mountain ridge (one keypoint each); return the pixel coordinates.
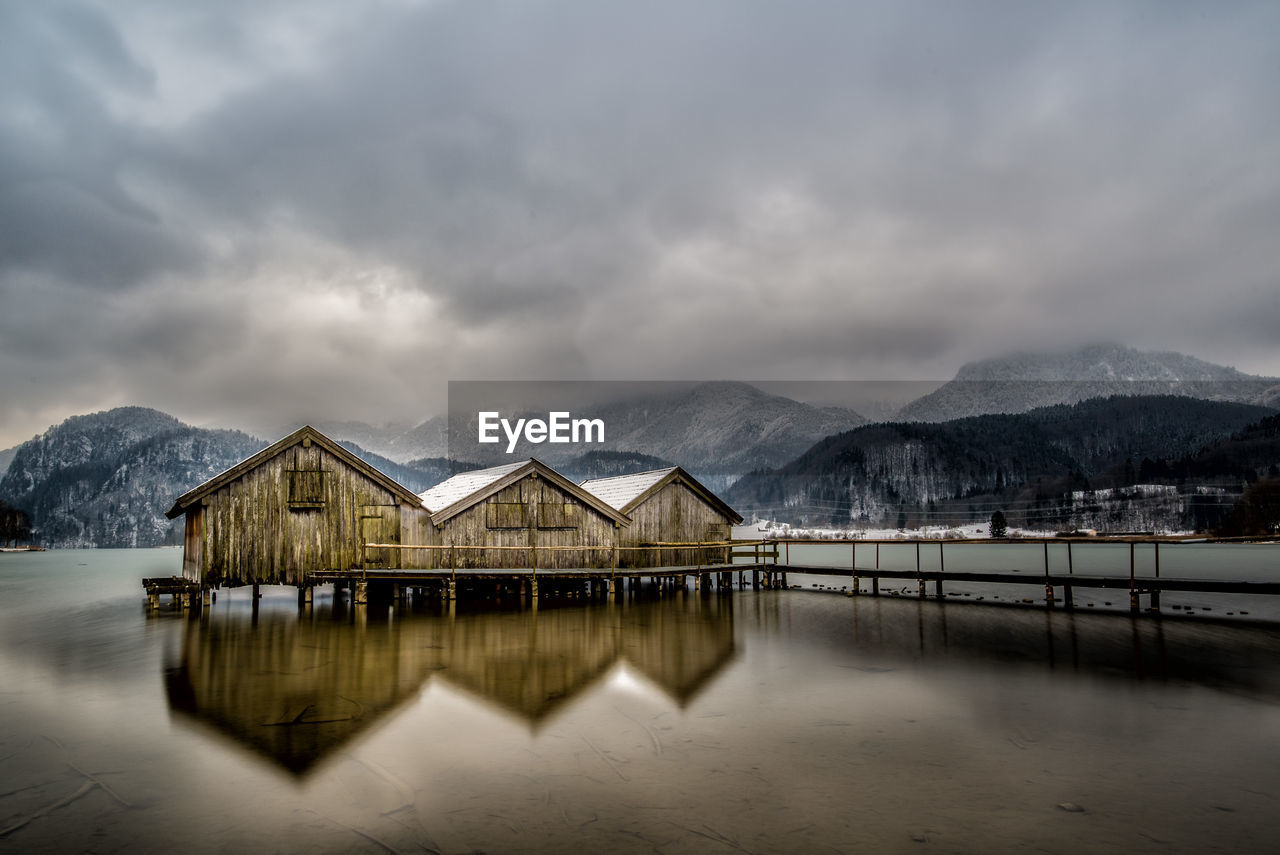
(1023, 381)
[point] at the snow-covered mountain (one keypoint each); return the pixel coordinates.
(1024, 381)
(1030, 464)
(716, 430)
(106, 479)
(399, 442)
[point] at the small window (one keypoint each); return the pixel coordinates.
(557, 515)
(306, 489)
(505, 515)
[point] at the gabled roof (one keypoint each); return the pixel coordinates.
(303, 433)
(455, 495)
(463, 484)
(626, 492)
(621, 490)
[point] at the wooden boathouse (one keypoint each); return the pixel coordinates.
(302, 504)
(666, 506)
(306, 511)
(514, 509)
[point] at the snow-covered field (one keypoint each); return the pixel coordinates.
(765, 529)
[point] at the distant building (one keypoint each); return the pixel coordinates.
(666, 506)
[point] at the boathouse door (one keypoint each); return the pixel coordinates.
(380, 524)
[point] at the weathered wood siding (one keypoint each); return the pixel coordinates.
(674, 514)
(530, 512)
(193, 548)
(302, 510)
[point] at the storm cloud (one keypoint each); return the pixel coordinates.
(251, 213)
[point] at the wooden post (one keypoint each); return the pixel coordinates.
(919, 581)
(875, 580)
(1048, 588)
(853, 564)
(1133, 590)
(1155, 592)
(360, 596)
(937, 588)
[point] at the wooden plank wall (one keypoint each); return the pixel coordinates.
(249, 531)
(675, 514)
(544, 504)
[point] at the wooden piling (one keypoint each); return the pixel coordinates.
(1048, 587)
(1133, 590)
(1155, 592)
(1067, 595)
(853, 565)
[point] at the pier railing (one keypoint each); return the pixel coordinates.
(1148, 581)
(702, 551)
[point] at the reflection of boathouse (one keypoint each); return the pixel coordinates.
(305, 505)
(297, 688)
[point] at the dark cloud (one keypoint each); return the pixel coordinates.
(300, 209)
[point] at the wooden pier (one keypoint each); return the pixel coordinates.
(719, 565)
(1137, 585)
(761, 564)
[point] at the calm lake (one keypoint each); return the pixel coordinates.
(770, 721)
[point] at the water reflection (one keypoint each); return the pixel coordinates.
(295, 688)
(1227, 656)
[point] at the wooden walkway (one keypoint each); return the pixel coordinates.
(762, 564)
(1149, 584)
(532, 582)
(1049, 583)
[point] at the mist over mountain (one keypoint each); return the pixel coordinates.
(106, 479)
(962, 470)
(400, 442)
(6, 457)
(606, 464)
(715, 430)
(1025, 381)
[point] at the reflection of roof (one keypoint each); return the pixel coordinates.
(621, 490)
(464, 484)
(466, 489)
(297, 691)
(626, 492)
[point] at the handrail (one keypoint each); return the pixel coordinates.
(709, 543)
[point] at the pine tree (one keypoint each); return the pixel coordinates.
(999, 525)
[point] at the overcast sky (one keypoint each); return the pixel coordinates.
(247, 213)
